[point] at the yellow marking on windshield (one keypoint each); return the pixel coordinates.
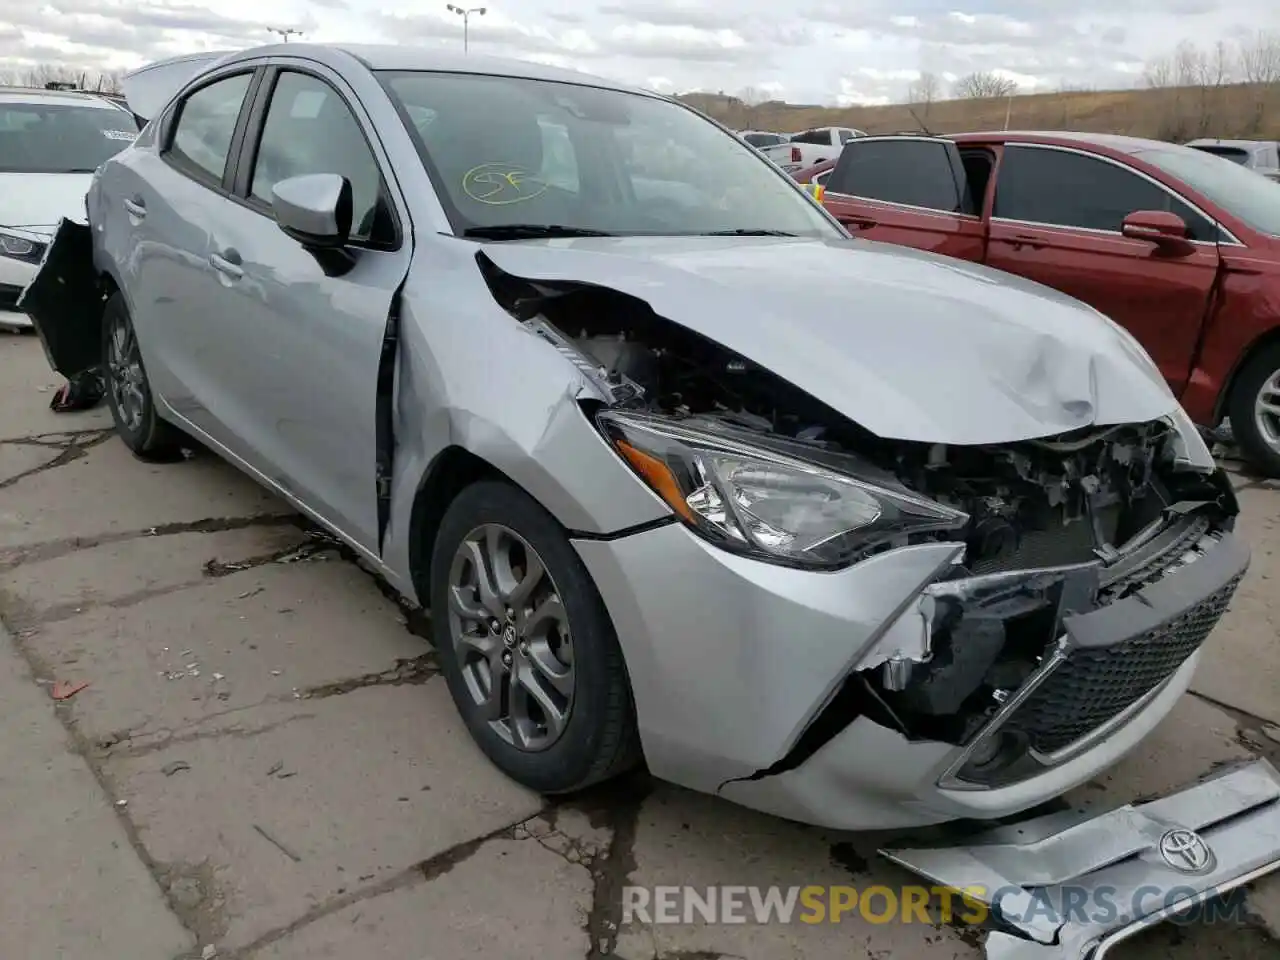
(501, 183)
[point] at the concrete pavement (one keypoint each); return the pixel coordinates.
(265, 764)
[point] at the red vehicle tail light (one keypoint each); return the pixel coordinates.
(795, 154)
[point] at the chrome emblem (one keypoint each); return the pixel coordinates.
(1186, 852)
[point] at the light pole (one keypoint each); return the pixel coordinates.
(285, 32)
(466, 17)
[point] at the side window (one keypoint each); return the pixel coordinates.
(847, 135)
(310, 129)
(1038, 185)
(206, 123)
(821, 179)
(822, 137)
(916, 173)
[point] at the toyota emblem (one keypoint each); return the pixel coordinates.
(1186, 852)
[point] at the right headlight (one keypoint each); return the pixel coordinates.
(765, 497)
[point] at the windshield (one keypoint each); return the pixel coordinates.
(61, 138)
(514, 152)
(1234, 154)
(1251, 198)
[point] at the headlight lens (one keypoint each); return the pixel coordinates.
(773, 499)
(20, 248)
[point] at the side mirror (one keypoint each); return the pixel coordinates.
(315, 209)
(1167, 231)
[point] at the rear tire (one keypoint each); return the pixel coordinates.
(578, 726)
(129, 392)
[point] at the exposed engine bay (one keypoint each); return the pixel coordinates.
(1058, 527)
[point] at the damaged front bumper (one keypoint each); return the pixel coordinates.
(1067, 887)
(64, 301)
(768, 685)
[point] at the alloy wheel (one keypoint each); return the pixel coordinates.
(125, 378)
(510, 633)
(1266, 411)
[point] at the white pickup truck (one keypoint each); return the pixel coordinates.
(808, 147)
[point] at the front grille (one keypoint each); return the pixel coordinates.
(1094, 685)
(9, 294)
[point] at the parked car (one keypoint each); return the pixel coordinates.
(843, 532)
(810, 146)
(1180, 249)
(1260, 156)
(817, 174)
(51, 141)
(762, 138)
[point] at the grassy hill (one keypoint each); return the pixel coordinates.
(1170, 113)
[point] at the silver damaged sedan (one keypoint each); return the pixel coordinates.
(849, 533)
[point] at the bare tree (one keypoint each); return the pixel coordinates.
(1159, 73)
(1260, 58)
(925, 90)
(1190, 66)
(984, 85)
(750, 98)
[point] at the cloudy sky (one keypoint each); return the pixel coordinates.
(807, 51)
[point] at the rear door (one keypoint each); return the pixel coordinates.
(1056, 219)
(911, 191)
(158, 208)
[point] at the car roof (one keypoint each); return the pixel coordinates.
(1110, 141)
(1217, 142)
(408, 57)
(38, 95)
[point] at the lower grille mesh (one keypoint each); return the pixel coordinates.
(1095, 685)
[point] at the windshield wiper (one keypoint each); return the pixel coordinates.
(747, 233)
(531, 231)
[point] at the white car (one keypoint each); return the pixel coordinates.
(51, 141)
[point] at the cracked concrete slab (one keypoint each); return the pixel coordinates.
(29, 385)
(508, 897)
(77, 500)
(229, 643)
(73, 885)
(125, 573)
(290, 805)
(1241, 665)
(17, 459)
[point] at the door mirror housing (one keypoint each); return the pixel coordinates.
(315, 209)
(1166, 230)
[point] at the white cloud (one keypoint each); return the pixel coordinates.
(814, 51)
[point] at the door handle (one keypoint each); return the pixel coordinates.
(227, 263)
(135, 208)
(1019, 240)
(859, 223)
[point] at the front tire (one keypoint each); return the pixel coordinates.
(1255, 410)
(526, 644)
(129, 392)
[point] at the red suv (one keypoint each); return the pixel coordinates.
(1179, 246)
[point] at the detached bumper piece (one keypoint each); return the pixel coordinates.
(65, 303)
(1071, 887)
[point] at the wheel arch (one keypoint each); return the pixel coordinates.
(451, 471)
(1262, 342)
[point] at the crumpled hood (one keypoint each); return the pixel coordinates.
(35, 202)
(909, 345)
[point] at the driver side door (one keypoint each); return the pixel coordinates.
(301, 331)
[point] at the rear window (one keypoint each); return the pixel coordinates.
(764, 139)
(1234, 154)
(813, 136)
(61, 138)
